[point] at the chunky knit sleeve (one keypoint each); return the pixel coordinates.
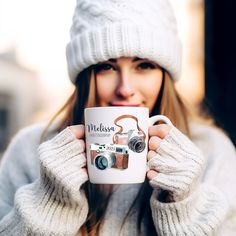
(54, 203)
(210, 208)
(199, 214)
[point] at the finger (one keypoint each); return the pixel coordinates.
(154, 143)
(155, 163)
(150, 155)
(85, 170)
(78, 131)
(159, 130)
(80, 161)
(151, 174)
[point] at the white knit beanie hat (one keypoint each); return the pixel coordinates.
(105, 29)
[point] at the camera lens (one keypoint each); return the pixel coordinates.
(136, 144)
(101, 162)
(104, 161)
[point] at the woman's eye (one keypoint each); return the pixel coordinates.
(103, 67)
(146, 65)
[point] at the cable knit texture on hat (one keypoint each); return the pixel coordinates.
(105, 29)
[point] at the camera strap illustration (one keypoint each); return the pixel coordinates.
(121, 128)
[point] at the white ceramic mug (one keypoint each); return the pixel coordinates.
(117, 143)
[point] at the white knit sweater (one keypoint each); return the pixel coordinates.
(29, 205)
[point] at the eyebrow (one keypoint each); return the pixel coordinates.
(134, 59)
(113, 60)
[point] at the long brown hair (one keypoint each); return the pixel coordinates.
(168, 103)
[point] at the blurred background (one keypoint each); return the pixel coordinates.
(34, 82)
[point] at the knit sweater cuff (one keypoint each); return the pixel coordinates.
(199, 214)
(62, 160)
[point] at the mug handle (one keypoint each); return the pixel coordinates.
(152, 120)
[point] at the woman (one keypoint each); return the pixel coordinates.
(124, 53)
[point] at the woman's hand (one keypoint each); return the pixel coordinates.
(63, 163)
(175, 163)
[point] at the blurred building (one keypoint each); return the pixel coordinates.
(19, 96)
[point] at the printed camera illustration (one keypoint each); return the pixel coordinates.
(134, 139)
(105, 156)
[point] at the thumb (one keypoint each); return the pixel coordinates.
(78, 131)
